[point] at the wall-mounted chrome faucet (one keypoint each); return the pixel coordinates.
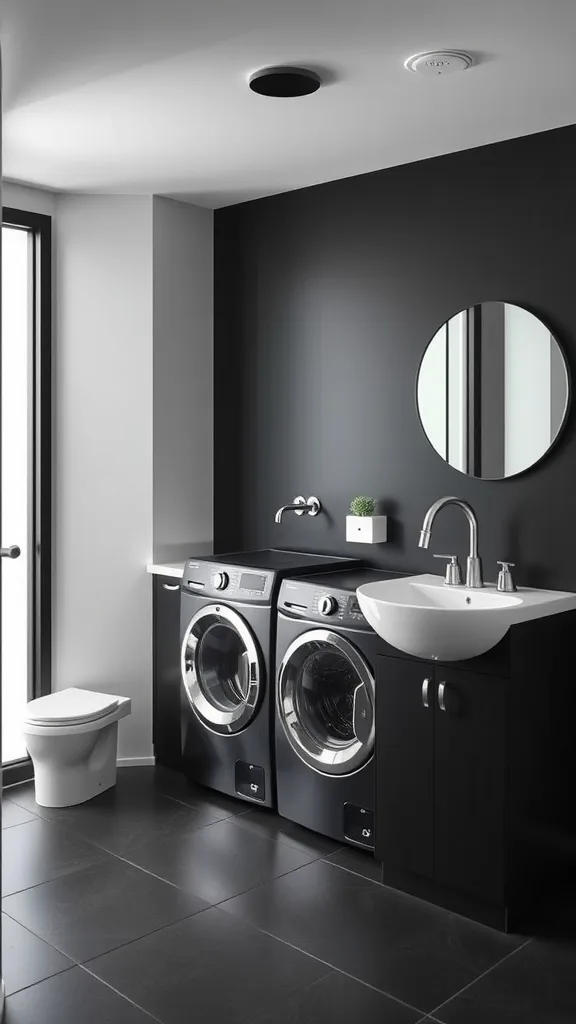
(313, 506)
(474, 564)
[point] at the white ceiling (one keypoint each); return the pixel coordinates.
(151, 96)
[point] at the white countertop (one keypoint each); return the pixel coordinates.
(173, 569)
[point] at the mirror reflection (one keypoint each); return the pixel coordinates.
(493, 390)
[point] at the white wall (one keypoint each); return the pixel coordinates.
(103, 454)
(183, 379)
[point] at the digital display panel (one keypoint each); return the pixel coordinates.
(249, 581)
(354, 606)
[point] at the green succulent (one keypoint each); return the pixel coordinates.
(362, 506)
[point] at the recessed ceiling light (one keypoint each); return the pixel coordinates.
(284, 81)
(439, 62)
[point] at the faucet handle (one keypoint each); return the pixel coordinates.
(506, 583)
(453, 576)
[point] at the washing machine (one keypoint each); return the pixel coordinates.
(227, 630)
(324, 729)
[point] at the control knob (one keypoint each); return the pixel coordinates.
(221, 580)
(327, 605)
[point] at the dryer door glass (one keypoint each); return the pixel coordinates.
(326, 702)
(223, 666)
(221, 669)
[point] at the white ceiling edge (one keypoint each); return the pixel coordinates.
(212, 203)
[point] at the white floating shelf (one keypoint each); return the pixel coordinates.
(367, 529)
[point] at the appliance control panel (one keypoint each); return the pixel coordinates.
(316, 603)
(212, 579)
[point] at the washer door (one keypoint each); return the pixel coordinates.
(221, 669)
(326, 702)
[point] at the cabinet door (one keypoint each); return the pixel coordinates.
(470, 715)
(404, 765)
(167, 714)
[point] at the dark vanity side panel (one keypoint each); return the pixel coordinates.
(325, 300)
(542, 755)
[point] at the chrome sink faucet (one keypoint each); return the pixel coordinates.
(474, 564)
(300, 506)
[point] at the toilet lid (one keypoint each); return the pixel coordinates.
(70, 707)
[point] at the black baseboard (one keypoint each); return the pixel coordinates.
(14, 774)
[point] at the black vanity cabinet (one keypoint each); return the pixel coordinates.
(469, 803)
(475, 772)
(166, 678)
(440, 762)
(404, 767)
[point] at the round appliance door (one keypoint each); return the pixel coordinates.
(326, 702)
(221, 669)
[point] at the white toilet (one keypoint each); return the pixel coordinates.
(72, 738)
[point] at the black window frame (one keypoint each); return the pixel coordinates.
(40, 590)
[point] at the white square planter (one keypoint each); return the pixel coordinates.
(366, 529)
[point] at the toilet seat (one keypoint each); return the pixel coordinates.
(69, 708)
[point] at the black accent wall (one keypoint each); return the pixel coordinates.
(325, 299)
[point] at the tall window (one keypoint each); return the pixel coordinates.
(25, 471)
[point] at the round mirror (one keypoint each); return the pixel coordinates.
(493, 390)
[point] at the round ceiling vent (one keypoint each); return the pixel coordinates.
(284, 81)
(439, 62)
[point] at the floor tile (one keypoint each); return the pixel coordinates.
(209, 968)
(23, 796)
(338, 999)
(218, 861)
(271, 826)
(12, 814)
(26, 959)
(133, 810)
(93, 911)
(39, 851)
(144, 799)
(416, 952)
(536, 984)
(71, 998)
(176, 785)
(358, 861)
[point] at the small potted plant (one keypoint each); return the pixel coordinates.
(362, 526)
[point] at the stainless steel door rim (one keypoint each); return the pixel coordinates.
(219, 716)
(336, 756)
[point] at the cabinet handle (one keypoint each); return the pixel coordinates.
(171, 586)
(425, 693)
(442, 696)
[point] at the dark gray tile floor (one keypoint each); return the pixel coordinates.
(162, 902)
(26, 959)
(38, 851)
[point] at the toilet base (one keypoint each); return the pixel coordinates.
(72, 769)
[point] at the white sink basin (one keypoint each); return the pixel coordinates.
(422, 616)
